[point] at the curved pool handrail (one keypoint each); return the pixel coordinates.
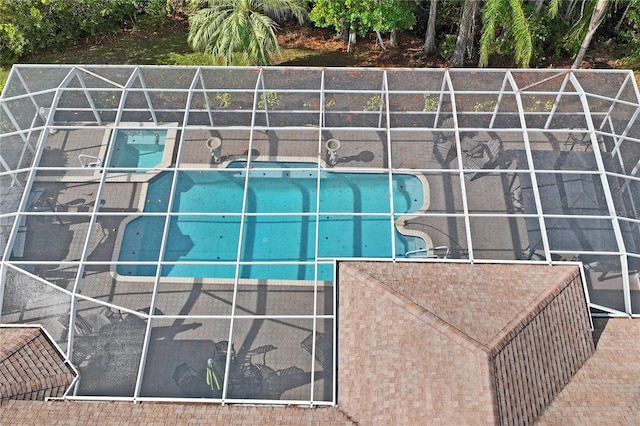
(426, 250)
(94, 161)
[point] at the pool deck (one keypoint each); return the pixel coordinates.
(60, 225)
(72, 193)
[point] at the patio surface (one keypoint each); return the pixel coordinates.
(58, 228)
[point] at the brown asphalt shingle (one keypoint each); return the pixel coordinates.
(30, 366)
(150, 414)
(480, 300)
(446, 343)
(606, 390)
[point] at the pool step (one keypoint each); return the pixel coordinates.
(279, 174)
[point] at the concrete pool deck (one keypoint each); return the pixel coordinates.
(486, 194)
(59, 224)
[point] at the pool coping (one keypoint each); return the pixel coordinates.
(399, 224)
(130, 176)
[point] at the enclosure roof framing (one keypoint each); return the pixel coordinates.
(514, 166)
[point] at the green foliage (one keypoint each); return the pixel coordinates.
(541, 27)
(152, 14)
(572, 40)
(12, 43)
(30, 26)
(222, 100)
(329, 103)
(553, 8)
(506, 17)
(240, 32)
(447, 45)
(4, 74)
(484, 106)
(630, 33)
(374, 103)
(364, 15)
(536, 105)
(272, 100)
(430, 103)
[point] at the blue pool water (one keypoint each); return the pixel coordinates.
(138, 148)
(274, 237)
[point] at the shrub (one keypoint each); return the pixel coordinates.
(447, 46)
(29, 26)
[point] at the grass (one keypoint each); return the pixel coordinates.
(140, 48)
(4, 74)
(170, 47)
(144, 48)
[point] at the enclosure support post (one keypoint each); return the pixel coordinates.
(385, 86)
(243, 217)
(532, 175)
(146, 96)
(613, 104)
(206, 97)
(608, 197)
(459, 156)
(264, 98)
(382, 97)
(316, 219)
(321, 118)
(14, 122)
(12, 173)
(444, 83)
(497, 107)
(557, 101)
(96, 114)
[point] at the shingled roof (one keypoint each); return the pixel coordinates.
(458, 343)
(389, 374)
(30, 366)
(604, 391)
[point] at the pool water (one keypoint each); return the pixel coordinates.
(138, 148)
(276, 237)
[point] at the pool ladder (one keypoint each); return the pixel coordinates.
(87, 160)
(435, 250)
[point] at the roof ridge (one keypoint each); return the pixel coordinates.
(530, 310)
(18, 341)
(420, 312)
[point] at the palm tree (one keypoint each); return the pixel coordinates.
(240, 32)
(430, 36)
(466, 33)
(508, 14)
(597, 17)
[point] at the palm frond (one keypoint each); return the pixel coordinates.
(519, 26)
(489, 26)
(240, 32)
(554, 6)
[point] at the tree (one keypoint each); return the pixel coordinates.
(240, 32)
(624, 15)
(362, 16)
(597, 16)
(506, 15)
(430, 36)
(466, 33)
(552, 8)
(388, 16)
(338, 14)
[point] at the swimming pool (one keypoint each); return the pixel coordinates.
(280, 223)
(139, 148)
